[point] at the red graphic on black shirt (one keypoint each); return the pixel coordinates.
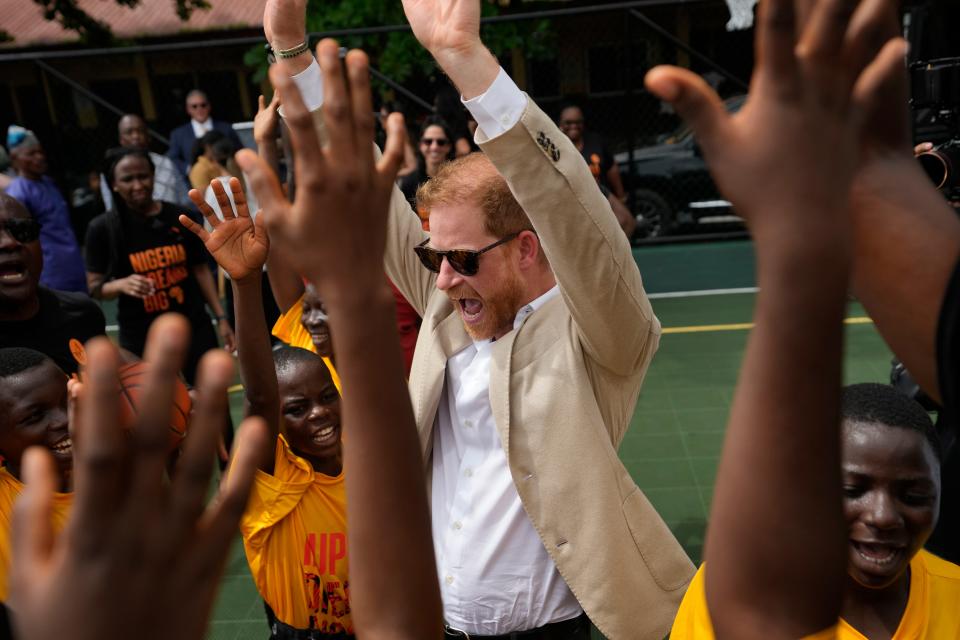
(166, 266)
(595, 163)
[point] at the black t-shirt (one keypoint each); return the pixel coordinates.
(161, 249)
(411, 182)
(597, 156)
(64, 322)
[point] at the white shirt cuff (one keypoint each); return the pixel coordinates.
(310, 83)
(498, 108)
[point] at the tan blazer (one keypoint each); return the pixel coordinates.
(564, 385)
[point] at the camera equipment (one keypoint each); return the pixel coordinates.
(935, 103)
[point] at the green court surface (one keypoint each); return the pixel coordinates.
(673, 445)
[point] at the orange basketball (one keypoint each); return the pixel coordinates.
(133, 376)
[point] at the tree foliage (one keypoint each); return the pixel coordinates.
(92, 31)
(397, 54)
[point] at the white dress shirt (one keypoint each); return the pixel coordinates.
(496, 577)
(200, 128)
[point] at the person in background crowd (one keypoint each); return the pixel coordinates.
(183, 138)
(409, 155)
(56, 323)
(168, 183)
(7, 174)
(593, 150)
(895, 590)
(602, 166)
(139, 253)
(435, 147)
(211, 155)
(62, 260)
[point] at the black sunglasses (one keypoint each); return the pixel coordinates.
(466, 262)
(22, 229)
(440, 142)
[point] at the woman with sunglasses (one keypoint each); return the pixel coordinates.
(140, 254)
(435, 148)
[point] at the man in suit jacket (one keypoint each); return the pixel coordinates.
(527, 368)
(185, 136)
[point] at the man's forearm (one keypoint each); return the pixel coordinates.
(471, 70)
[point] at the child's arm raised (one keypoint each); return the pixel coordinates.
(906, 236)
(240, 247)
(335, 234)
(775, 547)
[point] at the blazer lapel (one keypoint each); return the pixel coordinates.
(500, 387)
(449, 337)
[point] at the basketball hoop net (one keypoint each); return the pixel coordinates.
(741, 14)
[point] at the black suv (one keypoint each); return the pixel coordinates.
(669, 184)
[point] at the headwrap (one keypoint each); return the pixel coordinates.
(17, 136)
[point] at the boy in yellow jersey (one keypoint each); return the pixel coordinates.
(776, 545)
(304, 325)
(33, 412)
(294, 529)
(891, 482)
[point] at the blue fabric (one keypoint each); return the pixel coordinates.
(63, 267)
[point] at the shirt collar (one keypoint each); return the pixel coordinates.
(522, 314)
(535, 304)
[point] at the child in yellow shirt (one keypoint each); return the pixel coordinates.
(891, 477)
(33, 412)
(294, 528)
(304, 325)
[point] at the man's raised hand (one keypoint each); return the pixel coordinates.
(450, 31)
(334, 233)
(238, 243)
(284, 22)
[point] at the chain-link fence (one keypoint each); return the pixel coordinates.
(591, 57)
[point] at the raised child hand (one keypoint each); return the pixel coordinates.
(238, 243)
(450, 31)
(266, 121)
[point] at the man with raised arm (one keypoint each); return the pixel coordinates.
(537, 334)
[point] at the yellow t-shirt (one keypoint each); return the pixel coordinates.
(10, 489)
(931, 608)
(289, 329)
(295, 536)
